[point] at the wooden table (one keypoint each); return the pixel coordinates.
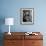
(20, 39)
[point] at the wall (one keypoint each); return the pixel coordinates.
(11, 8)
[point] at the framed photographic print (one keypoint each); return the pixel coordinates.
(27, 15)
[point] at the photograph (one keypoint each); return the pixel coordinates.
(27, 15)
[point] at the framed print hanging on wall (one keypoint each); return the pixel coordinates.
(27, 15)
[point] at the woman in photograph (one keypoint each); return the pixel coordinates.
(27, 17)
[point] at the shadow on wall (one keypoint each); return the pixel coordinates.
(2, 21)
